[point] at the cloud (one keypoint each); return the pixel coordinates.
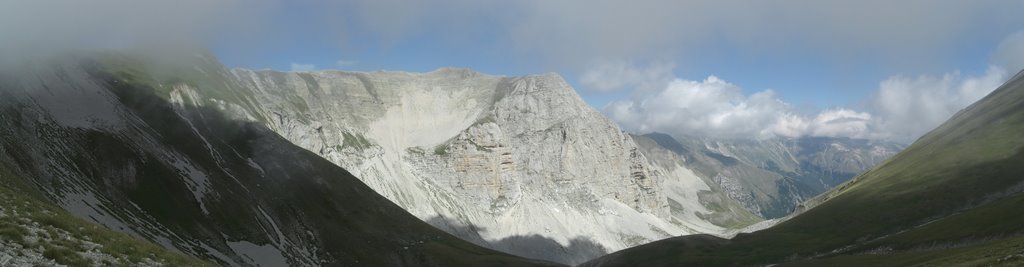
(902, 109)
(712, 107)
(1010, 52)
(839, 123)
(614, 76)
(908, 107)
(32, 28)
(303, 67)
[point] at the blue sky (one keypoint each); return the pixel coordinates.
(866, 69)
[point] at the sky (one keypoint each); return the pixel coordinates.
(872, 69)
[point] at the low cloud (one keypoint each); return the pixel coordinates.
(303, 67)
(47, 27)
(901, 109)
(712, 107)
(908, 107)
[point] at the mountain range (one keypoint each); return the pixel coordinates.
(201, 164)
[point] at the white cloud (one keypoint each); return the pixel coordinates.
(712, 107)
(840, 123)
(345, 63)
(1010, 52)
(613, 76)
(303, 67)
(902, 109)
(908, 107)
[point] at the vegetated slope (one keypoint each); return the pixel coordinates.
(35, 232)
(772, 176)
(102, 143)
(951, 198)
(518, 164)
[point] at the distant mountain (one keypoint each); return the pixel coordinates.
(771, 177)
(954, 197)
(99, 136)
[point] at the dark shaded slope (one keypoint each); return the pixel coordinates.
(190, 179)
(952, 198)
(35, 232)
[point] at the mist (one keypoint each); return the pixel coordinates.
(34, 30)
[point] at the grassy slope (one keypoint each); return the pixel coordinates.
(28, 208)
(954, 194)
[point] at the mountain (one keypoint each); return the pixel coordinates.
(953, 197)
(772, 176)
(517, 164)
(98, 136)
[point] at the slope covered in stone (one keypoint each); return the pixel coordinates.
(98, 136)
(954, 197)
